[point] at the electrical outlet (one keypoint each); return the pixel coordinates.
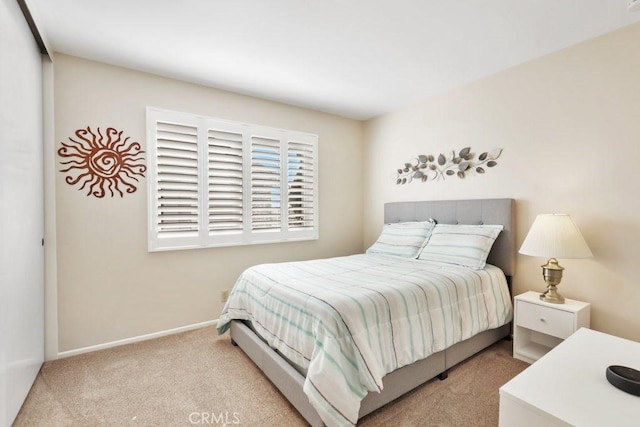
(224, 296)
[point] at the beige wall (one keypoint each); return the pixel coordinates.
(109, 287)
(569, 124)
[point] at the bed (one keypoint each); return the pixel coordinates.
(299, 371)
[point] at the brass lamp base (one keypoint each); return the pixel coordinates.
(552, 273)
(552, 296)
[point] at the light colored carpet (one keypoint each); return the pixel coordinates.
(199, 378)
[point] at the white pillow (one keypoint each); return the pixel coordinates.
(466, 245)
(404, 239)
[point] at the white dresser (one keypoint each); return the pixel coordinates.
(568, 386)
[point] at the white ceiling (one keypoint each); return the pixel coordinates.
(356, 58)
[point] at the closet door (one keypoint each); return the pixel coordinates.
(21, 211)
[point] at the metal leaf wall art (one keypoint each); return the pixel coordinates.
(427, 167)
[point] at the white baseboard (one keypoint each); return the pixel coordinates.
(139, 338)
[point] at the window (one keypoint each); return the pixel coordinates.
(218, 183)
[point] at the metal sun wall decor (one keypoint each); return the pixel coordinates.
(103, 162)
(428, 167)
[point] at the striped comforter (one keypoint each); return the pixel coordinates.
(348, 321)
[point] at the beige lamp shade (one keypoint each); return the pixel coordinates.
(555, 236)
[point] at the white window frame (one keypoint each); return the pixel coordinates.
(158, 241)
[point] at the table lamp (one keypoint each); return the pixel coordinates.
(554, 236)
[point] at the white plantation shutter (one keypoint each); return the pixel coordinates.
(225, 184)
(266, 184)
(301, 185)
(217, 183)
(176, 195)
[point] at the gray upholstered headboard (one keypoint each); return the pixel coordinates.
(480, 211)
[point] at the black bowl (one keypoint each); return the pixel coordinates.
(625, 378)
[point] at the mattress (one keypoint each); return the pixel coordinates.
(349, 321)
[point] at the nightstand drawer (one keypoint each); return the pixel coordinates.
(546, 320)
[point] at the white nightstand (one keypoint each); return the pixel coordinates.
(539, 326)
